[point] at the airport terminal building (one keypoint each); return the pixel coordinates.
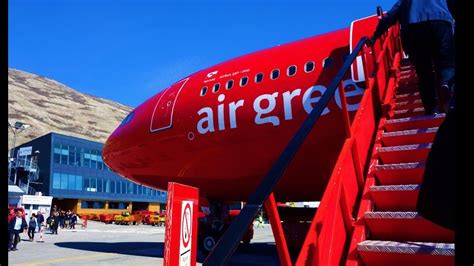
(72, 171)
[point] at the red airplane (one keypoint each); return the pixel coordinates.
(221, 128)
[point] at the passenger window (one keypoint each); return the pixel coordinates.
(258, 77)
(309, 67)
(215, 88)
(328, 62)
(203, 91)
(243, 81)
(275, 74)
(229, 84)
(291, 71)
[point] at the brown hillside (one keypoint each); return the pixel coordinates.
(48, 105)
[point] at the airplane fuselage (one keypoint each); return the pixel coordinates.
(222, 128)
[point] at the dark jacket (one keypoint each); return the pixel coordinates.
(54, 222)
(11, 224)
(32, 223)
(40, 218)
(415, 11)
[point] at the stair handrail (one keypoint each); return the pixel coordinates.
(226, 246)
(335, 194)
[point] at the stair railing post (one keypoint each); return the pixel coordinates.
(277, 229)
(345, 112)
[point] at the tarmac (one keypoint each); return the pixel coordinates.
(102, 244)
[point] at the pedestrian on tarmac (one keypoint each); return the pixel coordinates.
(54, 223)
(16, 226)
(11, 214)
(32, 224)
(40, 220)
(73, 221)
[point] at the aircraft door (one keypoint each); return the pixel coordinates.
(360, 28)
(162, 117)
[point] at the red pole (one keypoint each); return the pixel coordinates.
(275, 221)
(345, 113)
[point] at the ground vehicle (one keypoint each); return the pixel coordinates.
(94, 217)
(118, 218)
(127, 218)
(158, 219)
(145, 215)
(107, 218)
(134, 219)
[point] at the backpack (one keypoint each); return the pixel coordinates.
(32, 223)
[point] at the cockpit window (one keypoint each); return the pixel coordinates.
(127, 119)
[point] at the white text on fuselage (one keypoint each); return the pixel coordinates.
(265, 104)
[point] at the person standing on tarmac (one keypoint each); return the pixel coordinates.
(40, 220)
(54, 223)
(32, 224)
(11, 214)
(15, 227)
(427, 37)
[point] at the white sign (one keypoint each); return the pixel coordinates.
(36, 200)
(25, 151)
(186, 233)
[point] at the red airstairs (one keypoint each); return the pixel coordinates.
(367, 215)
(388, 229)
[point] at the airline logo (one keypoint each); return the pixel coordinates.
(210, 74)
(265, 105)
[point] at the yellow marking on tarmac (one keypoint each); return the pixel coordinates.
(64, 259)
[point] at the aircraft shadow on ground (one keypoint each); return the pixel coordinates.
(148, 249)
(253, 254)
(245, 254)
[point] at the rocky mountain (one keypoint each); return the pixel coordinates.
(48, 105)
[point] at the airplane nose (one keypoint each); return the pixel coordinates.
(110, 151)
(118, 144)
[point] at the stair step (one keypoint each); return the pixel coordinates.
(408, 88)
(395, 197)
(406, 63)
(407, 96)
(420, 111)
(393, 253)
(409, 137)
(408, 75)
(408, 104)
(405, 226)
(404, 154)
(406, 70)
(398, 174)
(417, 122)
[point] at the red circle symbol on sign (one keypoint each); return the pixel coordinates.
(186, 228)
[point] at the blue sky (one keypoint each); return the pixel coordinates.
(127, 51)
